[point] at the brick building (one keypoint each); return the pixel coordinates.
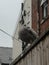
(40, 15)
(34, 15)
(17, 44)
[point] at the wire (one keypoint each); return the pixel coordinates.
(8, 34)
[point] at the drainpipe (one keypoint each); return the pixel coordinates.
(38, 3)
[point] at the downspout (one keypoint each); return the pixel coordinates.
(38, 6)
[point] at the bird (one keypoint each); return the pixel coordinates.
(26, 35)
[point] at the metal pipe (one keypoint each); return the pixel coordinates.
(38, 17)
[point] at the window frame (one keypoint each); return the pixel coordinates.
(44, 9)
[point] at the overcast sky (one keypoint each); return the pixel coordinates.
(9, 13)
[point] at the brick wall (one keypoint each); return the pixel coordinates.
(44, 24)
(34, 15)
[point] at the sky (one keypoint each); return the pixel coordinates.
(9, 13)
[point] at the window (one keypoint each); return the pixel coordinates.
(44, 9)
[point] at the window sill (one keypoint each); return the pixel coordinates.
(44, 19)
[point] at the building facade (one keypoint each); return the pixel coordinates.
(40, 15)
(37, 53)
(34, 15)
(5, 55)
(17, 44)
